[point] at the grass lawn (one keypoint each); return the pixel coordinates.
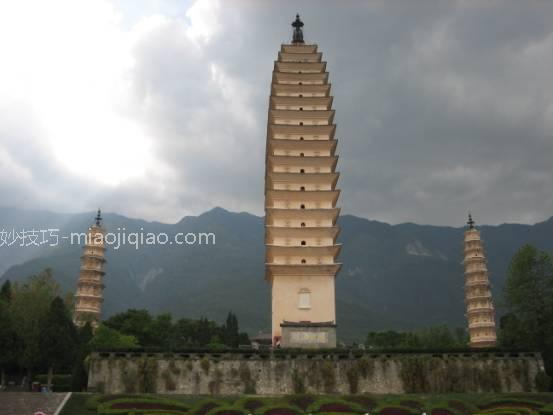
(408, 404)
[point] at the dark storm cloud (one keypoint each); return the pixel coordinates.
(441, 107)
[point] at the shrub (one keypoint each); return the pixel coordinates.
(543, 381)
(203, 407)
(277, 409)
(335, 405)
(250, 404)
(365, 402)
(396, 410)
(226, 410)
(301, 401)
(147, 405)
(441, 411)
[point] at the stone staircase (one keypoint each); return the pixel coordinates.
(27, 403)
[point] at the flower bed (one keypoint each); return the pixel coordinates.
(396, 410)
(441, 411)
(301, 401)
(226, 410)
(204, 407)
(335, 405)
(142, 405)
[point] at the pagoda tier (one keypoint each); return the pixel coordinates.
(303, 78)
(301, 196)
(303, 103)
(89, 295)
(478, 296)
(309, 217)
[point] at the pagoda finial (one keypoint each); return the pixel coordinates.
(297, 34)
(470, 222)
(99, 218)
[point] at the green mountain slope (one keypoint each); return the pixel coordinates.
(402, 276)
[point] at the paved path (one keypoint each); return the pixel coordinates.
(27, 403)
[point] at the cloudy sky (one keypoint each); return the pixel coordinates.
(157, 109)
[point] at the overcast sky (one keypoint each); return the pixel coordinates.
(158, 109)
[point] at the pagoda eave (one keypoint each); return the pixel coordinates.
(300, 56)
(303, 145)
(302, 232)
(323, 132)
(308, 251)
(293, 103)
(302, 269)
(273, 214)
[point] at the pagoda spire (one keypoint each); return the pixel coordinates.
(89, 296)
(478, 296)
(99, 218)
(297, 34)
(470, 222)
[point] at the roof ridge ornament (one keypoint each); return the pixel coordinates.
(297, 34)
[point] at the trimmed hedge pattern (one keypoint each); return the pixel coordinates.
(409, 404)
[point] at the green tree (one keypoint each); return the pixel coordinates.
(137, 323)
(6, 291)
(58, 338)
(529, 300)
(108, 338)
(29, 305)
(437, 337)
(8, 340)
(230, 331)
(79, 372)
(161, 329)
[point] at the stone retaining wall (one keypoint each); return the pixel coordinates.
(338, 373)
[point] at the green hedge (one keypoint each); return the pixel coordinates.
(320, 403)
(227, 410)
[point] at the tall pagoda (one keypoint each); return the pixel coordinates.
(301, 197)
(478, 296)
(89, 296)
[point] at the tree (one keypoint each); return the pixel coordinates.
(137, 323)
(8, 340)
(529, 300)
(58, 338)
(29, 305)
(79, 372)
(6, 291)
(510, 331)
(108, 338)
(230, 331)
(435, 337)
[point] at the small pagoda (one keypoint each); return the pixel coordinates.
(89, 296)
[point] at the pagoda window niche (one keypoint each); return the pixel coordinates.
(304, 299)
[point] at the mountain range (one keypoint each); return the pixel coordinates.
(401, 276)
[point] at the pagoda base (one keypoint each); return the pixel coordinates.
(308, 335)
